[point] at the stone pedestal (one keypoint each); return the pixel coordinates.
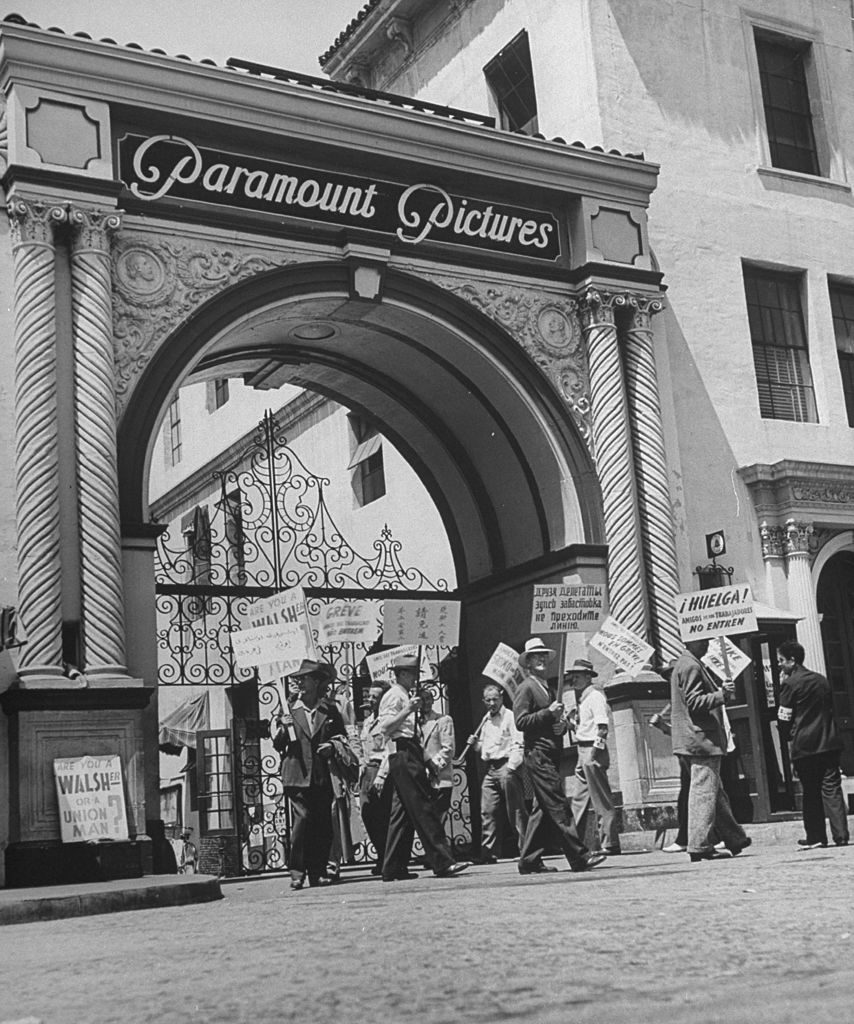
(649, 774)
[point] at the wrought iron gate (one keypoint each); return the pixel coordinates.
(263, 527)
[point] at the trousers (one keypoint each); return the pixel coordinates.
(709, 807)
(376, 810)
(502, 799)
(311, 831)
(590, 787)
(551, 814)
(412, 810)
(822, 797)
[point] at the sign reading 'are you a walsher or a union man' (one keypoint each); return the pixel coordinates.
(168, 166)
(91, 798)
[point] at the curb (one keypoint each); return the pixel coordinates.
(31, 908)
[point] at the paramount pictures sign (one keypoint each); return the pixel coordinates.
(170, 167)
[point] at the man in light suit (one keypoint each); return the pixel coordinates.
(540, 718)
(304, 738)
(699, 741)
(438, 740)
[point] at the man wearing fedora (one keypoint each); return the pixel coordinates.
(540, 717)
(412, 806)
(307, 748)
(590, 782)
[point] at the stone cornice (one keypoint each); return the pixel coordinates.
(153, 83)
(814, 491)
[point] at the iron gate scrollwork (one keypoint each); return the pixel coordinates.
(265, 527)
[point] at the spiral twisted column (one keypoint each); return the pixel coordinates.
(655, 505)
(798, 534)
(612, 451)
(36, 455)
(95, 410)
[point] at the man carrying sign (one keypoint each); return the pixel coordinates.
(699, 742)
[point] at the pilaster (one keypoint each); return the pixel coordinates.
(801, 595)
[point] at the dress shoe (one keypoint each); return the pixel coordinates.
(736, 850)
(840, 842)
(537, 869)
(319, 882)
(452, 870)
(297, 883)
(805, 844)
(407, 876)
(588, 861)
(487, 858)
(612, 851)
(674, 848)
(710, 855)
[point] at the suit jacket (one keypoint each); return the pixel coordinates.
(696, 718)
(302, 766)
(437, 738)
(534, 720)
(805, 715)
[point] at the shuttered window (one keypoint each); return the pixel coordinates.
(780, 355)
(842, 307)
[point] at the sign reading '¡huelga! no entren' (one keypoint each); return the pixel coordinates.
(167, 166)
(718, 611)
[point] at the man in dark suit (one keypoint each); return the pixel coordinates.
(304, 738)
(699, 736)
(540, 718)
(805, 718)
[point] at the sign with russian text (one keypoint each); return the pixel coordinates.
(567, 607)
(170, 167)
(718, 611)
(91, 798)
(421, 622)
(736, 660)
(503, 668)
(276, 630)
(351, 622)
(620, 645)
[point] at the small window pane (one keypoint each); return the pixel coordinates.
(510, 76)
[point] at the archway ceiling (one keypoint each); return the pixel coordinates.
(470, 427)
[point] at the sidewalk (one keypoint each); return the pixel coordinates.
(19, 906)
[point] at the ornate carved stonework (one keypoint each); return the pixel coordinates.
(93, 228)
(157, 284)
(773, 541)
(798, 535)
(814, 493)
(547, 326)
(4, 139)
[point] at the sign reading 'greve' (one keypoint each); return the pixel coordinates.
(167, 166)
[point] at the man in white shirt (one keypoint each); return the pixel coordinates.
(502, 796)
(590, 783)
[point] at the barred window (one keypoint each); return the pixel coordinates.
(786, 100)
(842, 307)
(510, 76)
(780, 355)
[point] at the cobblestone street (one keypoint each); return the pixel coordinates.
(647, 937)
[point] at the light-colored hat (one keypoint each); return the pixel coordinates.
(534, 646)
(406, 663)
(583, 665)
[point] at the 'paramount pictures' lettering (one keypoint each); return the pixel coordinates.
(167, 166)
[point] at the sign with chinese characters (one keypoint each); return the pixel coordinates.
(718, 611)
(91, 798)
(503, 668)
(620, 645)
(276, 629)
(421, 622)
(736, 660)
(351, 622)
(169, 167)
(567, 607)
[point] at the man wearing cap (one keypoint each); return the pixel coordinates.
(412, 807)
(540, 718)
(590, 783)
(375, 796)
(306, 750)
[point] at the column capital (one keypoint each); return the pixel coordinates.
(33, 220)
(92, 228)
(641, 309)
(596, 307)
(773, 541)
(798, 533)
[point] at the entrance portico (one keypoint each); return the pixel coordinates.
(487, 298)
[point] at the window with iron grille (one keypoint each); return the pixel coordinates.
(842, 307)
(173, 433)
(510, 76)
(778, 337)
(786, 100)
(366, 460)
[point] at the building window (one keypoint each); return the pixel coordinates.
(173, 432)
(786, 99)
(511, 79)
(217, 394)
(196, 527)
(842, 307)
(366, 461)
(780, 354)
